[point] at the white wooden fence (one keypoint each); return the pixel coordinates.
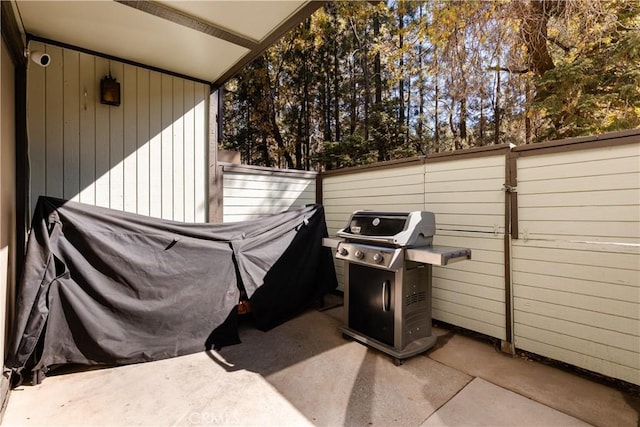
(252, 191)
(567, 286)
(576, 264)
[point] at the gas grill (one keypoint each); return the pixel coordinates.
(387, 279)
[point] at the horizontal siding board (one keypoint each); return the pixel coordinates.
(478, 302)
(390, 173)
(383, 200)
(235, 179)
(467, 320)
(594, 349)
(579, 156)
(583, 272)
(603, 366)
(596, 167)
(480, 172)
(464, 186)
(470, 288)
(576, 330)
(607, 322)
(621, 260)
(443, 275)
(613, 181)
(578, 286)
(628, 309)
(605, 231)
(268, 194)
(413, 188)
(602, 198)
(624, 213)
(466, 164)
(465, 197)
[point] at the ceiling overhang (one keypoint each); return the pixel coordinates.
(209, 41)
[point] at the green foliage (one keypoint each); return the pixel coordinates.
(595, 88)
(361, 82)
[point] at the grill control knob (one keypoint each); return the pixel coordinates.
(377, 258)
(343, 251)
(359, 254)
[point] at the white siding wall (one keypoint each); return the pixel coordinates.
(395, 189)
(7, 203)
(576, 266)
(467, 197)
(251, 192)
(147, 156)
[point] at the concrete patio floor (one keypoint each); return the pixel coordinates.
(305, 373)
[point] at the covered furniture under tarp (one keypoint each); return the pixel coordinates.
(108, 287)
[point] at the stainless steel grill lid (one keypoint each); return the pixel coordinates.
(400, 229)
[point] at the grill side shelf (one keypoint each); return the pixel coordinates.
(437, 255)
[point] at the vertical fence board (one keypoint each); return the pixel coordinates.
(189, 153)
(54, 124)
(142, 142)
(178, 150)
(116, 145)
(103, 130)
(87, 129)
(71, 126)
(155, 145)
(37, 117)
(130, 107)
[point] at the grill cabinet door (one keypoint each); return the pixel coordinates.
(371, 294)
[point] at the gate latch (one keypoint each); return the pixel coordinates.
(509, 189)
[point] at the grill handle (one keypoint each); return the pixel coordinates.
(385, 295)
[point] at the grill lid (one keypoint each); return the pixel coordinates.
(391, 228)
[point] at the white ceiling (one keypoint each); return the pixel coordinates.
(179, 40)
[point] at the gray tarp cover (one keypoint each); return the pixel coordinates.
(107, 287)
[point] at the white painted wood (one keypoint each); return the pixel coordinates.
(178, 149)
(249, 195)
(155, 145)
(189, 152)
(71, 126)
(200, 141)
(576, 266)
(604, 366)
(36, 117)
(116, 145)
(143, 142)
(146, 156)
(54, 124)
(102, 132)
(87, 129)
(167, 146)
(129, 87)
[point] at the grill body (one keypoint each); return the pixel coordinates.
(389, 309)
(387, 290)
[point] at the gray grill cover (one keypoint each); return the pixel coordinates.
(107, 287)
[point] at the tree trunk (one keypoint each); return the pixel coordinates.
(352, 107)
(336, 90)
(463, 118)
(436, 121)
(533, 30)
(496, 136)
